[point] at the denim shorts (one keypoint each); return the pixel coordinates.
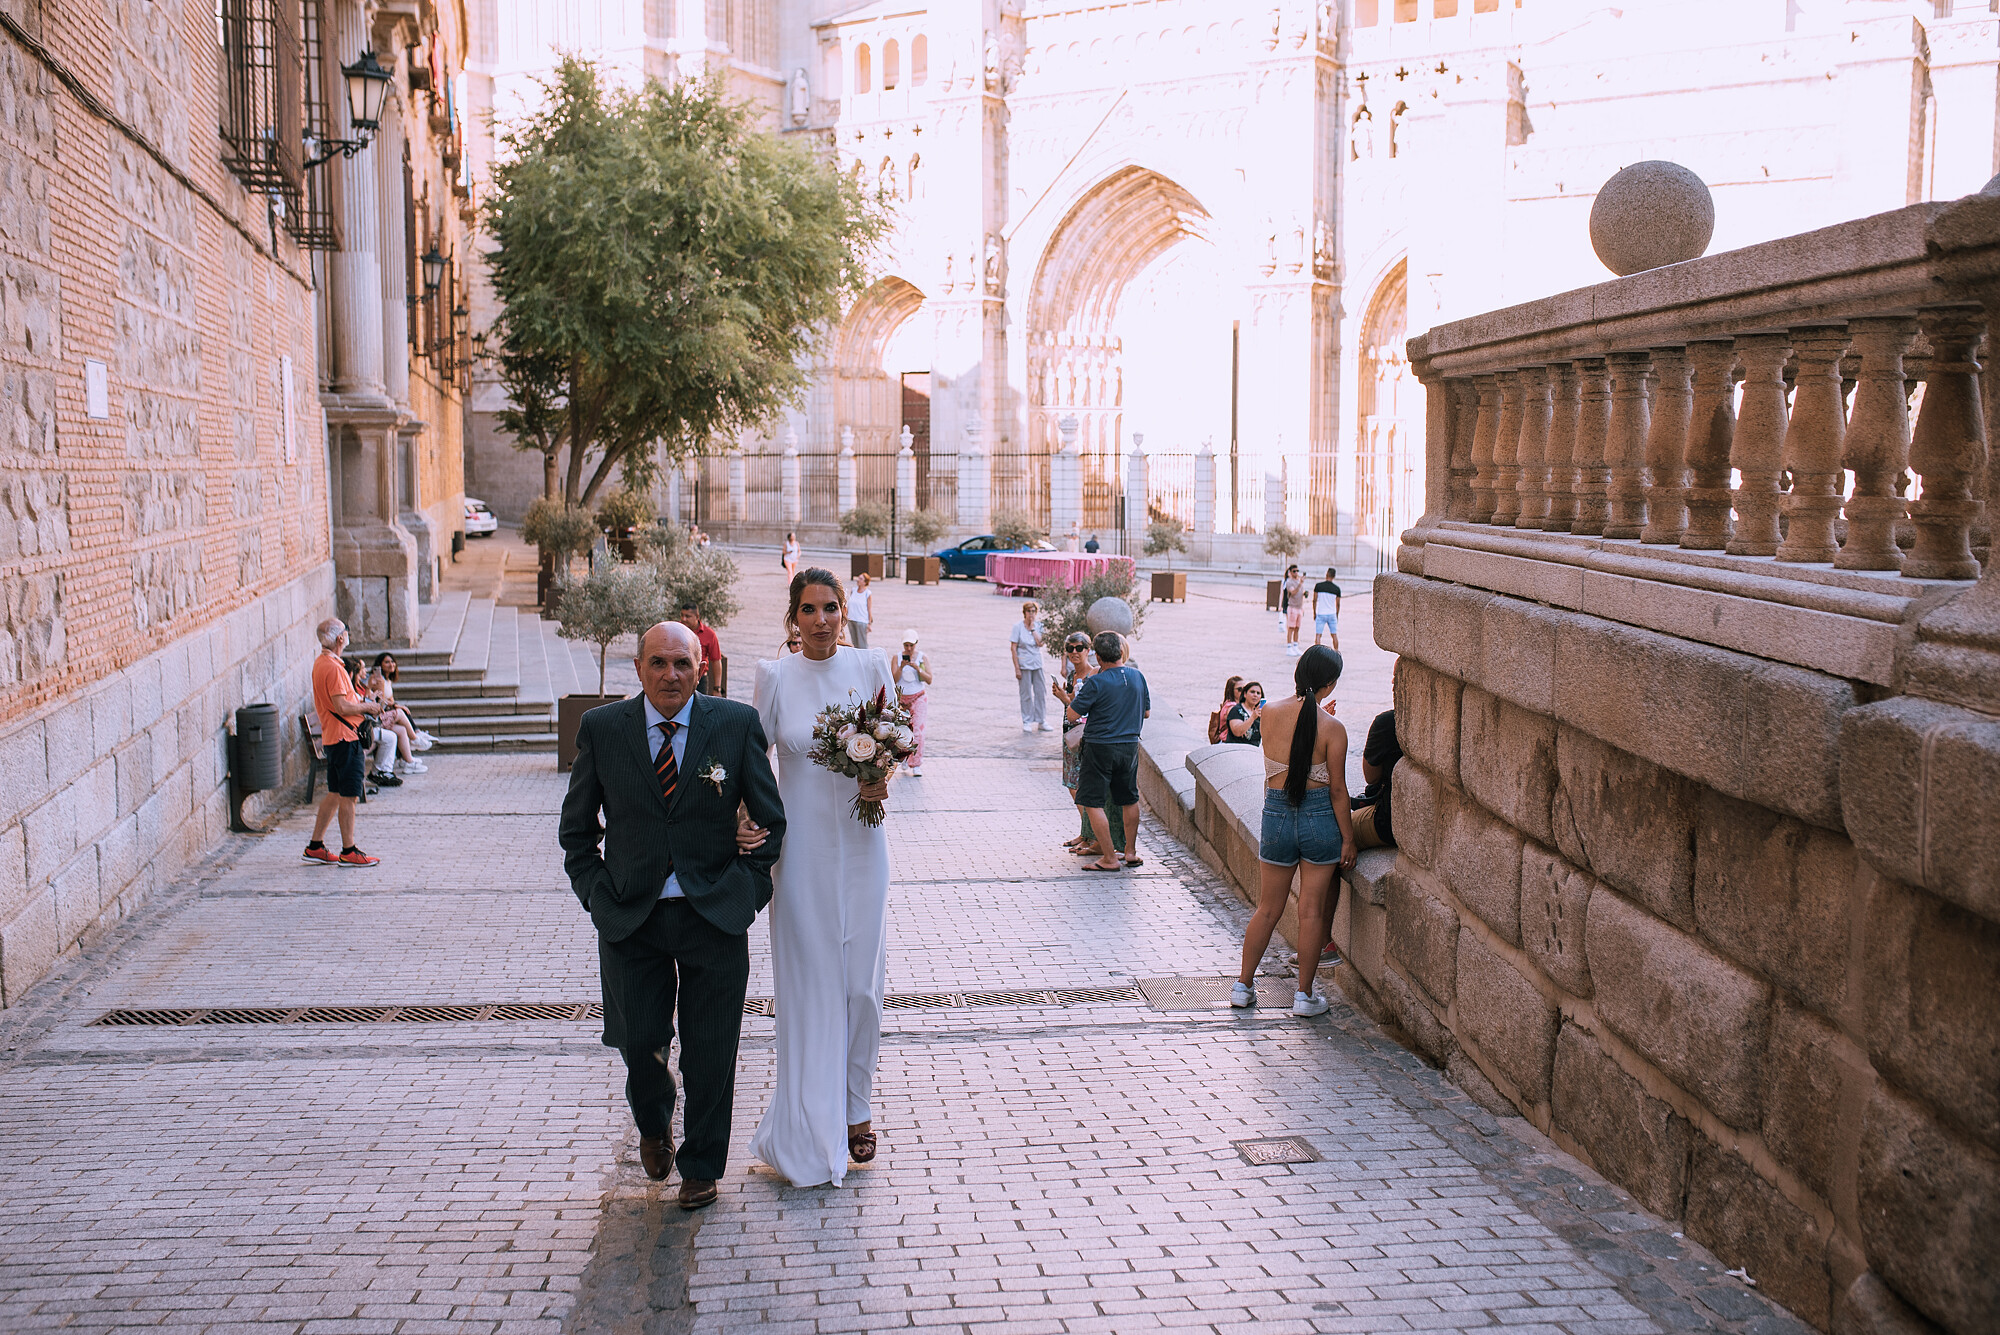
(1326, 623)
(1303, 833)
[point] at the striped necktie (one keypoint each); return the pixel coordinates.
(669, 772)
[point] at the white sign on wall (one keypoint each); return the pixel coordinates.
(96, 389)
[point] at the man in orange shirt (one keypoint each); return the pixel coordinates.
(338, 708)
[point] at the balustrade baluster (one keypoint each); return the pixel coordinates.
(1484, 430)
(1757, 450)
(1562, 447)
(1625, 452)
(1711, 425)
(1812, 444)
(1593, 430)
(1877, 447)
(1666, 444)
(1948, 448)
(1507, 452)
(1532, 489)
(1464, 429)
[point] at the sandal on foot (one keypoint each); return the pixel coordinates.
(1092, 866)
(861, 1146)
(1135, 862)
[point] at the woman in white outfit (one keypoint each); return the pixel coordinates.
(829, 906)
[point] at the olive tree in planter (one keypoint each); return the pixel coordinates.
(926, 527)
(623, 513)
(1016, 529)
(1164, 537)
(1284, 542)
(865, 521)
(613, 599)
(559, 532)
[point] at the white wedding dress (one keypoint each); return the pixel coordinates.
(829, 912)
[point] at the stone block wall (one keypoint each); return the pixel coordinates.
(1719, 927)
(163, 496)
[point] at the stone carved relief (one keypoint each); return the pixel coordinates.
(800, 96)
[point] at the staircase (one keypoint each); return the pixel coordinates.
(484, 677)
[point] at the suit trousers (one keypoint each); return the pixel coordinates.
(679, 963)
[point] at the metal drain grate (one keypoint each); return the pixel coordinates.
(570, 1011)
(1276, 1149)
(1212, 994)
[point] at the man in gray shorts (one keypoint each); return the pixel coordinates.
(1114, 705)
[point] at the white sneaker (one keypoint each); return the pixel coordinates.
(916, 771)
(1305, 1005)
(424, 741)
(1242, 995)
(1049, 727)
(1027, 727)
(414, 767)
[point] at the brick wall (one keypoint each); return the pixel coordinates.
(176, 538)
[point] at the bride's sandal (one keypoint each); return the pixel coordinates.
(861, 1146)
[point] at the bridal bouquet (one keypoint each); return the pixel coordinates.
(863, 741)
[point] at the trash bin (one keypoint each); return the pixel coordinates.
(259, 757)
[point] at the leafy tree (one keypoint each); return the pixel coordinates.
(691, 577)
(1164, 537)
(613, 599)
(662, 266)
(1065, 607)
(865, 521)
(625, 509)
(926, 527)
(559, 530)
(1285, 541)
(1018, 529)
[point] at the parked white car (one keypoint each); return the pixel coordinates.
(479, 521)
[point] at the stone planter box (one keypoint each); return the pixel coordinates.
(866, 563)
(922, 569)
(1169, 586)
(569, 717)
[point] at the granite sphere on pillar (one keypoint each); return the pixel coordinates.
(1651, 214)
(1109, 613)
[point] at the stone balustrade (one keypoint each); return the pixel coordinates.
(1699, 691)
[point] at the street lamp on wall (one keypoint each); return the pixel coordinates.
(367, 89)
(433, 264)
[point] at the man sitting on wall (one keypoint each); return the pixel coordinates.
(1372, 827)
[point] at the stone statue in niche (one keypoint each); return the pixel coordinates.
(992, 267)
(1361, 138)
(801, 98)
(1322, 248)
(990, 62)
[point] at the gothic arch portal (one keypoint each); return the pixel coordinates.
(1387, 481)
(1114, 233)
(867, 392)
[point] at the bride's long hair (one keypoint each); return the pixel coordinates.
(804, 580)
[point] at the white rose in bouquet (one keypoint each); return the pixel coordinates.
(861, 748)
(905, 739)
(884, 730)
(847, 730)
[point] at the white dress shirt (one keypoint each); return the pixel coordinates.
(654, 718)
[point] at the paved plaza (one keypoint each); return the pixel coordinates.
(1060, 1151)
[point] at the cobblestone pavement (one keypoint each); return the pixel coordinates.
(1044, 1167)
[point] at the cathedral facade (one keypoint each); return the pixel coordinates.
(1201, 230)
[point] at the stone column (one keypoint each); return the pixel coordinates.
(1758, 448)
(975, 482)
(1711, 428)
(1593, 434)
(1531, 497)
(1485, 429)
(388, 155)
(1948, 450)
(1204, 489)
(844, 482)
(788, 479)
(1464, 426)
(906, 472)
(354, 272)
(739, 501)
(1877, 448)
(1135, 491)
(1625, 451)
(1566, 405)
(1666, 444)
(1507, 451)
(1065, 483)
(1813, 439)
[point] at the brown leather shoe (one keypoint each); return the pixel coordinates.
(656, 1157)
(696, 1192)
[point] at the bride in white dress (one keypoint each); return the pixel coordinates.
(829, 906)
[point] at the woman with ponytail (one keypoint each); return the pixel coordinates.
(1307, 828)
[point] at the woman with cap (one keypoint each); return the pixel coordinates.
(913, 674)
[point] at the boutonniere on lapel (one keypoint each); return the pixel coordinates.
(714, 774)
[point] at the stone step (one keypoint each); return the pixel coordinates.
(462, 706)
(469, 725)
(424, 673)
(475, 643)
(440, 636)
(539, 741)
(422, 692)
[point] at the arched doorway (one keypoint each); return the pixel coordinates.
(881, 357)
(1388, 490)
(1122, 236)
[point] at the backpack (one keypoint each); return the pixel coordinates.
(1214, 727)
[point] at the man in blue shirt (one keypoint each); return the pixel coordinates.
(1114, 705)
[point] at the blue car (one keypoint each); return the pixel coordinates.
(968, 559)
